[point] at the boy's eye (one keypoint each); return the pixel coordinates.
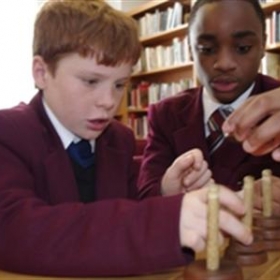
(88, 81)
(120, 86)
(91, 81)
(243, 49)
(203, 49)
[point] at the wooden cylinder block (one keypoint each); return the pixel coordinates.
(267, 222)
(228, 270)
(246, 255)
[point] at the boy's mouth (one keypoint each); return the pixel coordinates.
(224, 85)
(98, 124)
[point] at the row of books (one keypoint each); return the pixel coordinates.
(139, 125)
(161, 56)
(270, 65)
(152, 23)
(273, 28)
(143, 94)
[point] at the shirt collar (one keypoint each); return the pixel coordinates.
(210, 104)
(65, 135)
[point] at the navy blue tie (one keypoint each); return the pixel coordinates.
(81, 153)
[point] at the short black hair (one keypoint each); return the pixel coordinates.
(255, 3)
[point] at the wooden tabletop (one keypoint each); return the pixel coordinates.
(267, 271)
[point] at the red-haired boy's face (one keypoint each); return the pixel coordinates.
(83, 95)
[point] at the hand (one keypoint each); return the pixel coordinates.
(275, 195)
(193, 219)
(256, 124)
(188, 172)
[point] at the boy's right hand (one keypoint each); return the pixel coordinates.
(256, 124)
(193, 219)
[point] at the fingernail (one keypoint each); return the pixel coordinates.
(247, 147)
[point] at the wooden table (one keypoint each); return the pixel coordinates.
(267, 271)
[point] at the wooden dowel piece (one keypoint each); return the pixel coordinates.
(248, 187)
(267, 193)
(213, 254)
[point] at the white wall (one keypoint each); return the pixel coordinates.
(126, 5)
(117, 4)
(16, 29)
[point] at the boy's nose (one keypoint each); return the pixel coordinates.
(106, 99)
(224, 61)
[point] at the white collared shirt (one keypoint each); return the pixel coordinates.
(210, 104)
(66, 136)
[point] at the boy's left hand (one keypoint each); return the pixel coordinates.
(188, 172)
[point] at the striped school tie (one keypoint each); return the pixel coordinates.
(216, 136)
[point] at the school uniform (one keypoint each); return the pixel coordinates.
(45, 229)
(177, 125)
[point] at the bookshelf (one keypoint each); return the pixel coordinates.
(271, 61)
(153, 81)
(164, 67)
(270, 5)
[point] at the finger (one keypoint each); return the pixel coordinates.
(181, 165)
(193, 225)
(195, 241)
(228, 222)
(202, 181)
(240, 194)
(191, 177)
(262, 150)
(276, 154)
(198, 159)
(231, 200)
(227, 198)
(244, 119)
(233, 226)
(241, 120)
(198, 243)
(265, 137)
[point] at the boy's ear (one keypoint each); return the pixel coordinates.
(39, 70)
